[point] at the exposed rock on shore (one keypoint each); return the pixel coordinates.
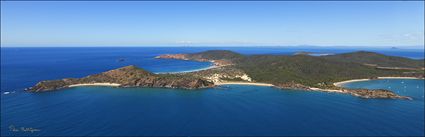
(362, 93)
(129, 76)
(218, 57)
(222, 73)
(374, 93)
(307, 73)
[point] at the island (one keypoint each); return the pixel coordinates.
(299, 71)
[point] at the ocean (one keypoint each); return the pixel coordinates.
(224, 110)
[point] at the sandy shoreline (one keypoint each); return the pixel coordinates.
(243, 83)
(95, 84)
(326, 90)
(398, 78)
(195, 70)
(339, 84)
(187, 71)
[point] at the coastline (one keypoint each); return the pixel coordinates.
(243, 83)
(214, 63)
(187, 71)
(326, 90)
(341, 83)
(95, 84)
(398, 78)
(195, 70)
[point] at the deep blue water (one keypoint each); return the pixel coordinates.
(225, 110)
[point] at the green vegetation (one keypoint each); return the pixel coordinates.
(232, 79)
(316, 71)
(364, 57)
(129, 76)
(217, 55)
(306, 70)
(295, 71)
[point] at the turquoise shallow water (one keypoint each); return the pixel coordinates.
(224, 110)
(399, 86)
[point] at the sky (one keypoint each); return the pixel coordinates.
(212, 23)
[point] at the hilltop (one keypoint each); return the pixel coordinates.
(299, 71)
(314, 71)
(128, 76)
(376, 59)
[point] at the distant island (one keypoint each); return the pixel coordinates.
(298, 71)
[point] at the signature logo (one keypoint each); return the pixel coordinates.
(12, 128)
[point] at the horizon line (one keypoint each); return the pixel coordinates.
(230, 46)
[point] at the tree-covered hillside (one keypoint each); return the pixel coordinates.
(216, 55)
(311, 70)
(307, 70)
(372, 58)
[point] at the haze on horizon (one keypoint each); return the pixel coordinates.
(165, 23)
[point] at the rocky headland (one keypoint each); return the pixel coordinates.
(224, 58)
(234, 68)
(129, 76)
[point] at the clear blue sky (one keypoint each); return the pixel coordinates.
(79, 23)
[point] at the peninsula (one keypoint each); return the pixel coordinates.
(299, 71)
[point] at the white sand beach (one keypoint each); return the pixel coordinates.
(398, 78)
(327, 90)
(210, 67)
(339, 84)
(187, 71)
(243, 83)
(214, 65)
(96, 84)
